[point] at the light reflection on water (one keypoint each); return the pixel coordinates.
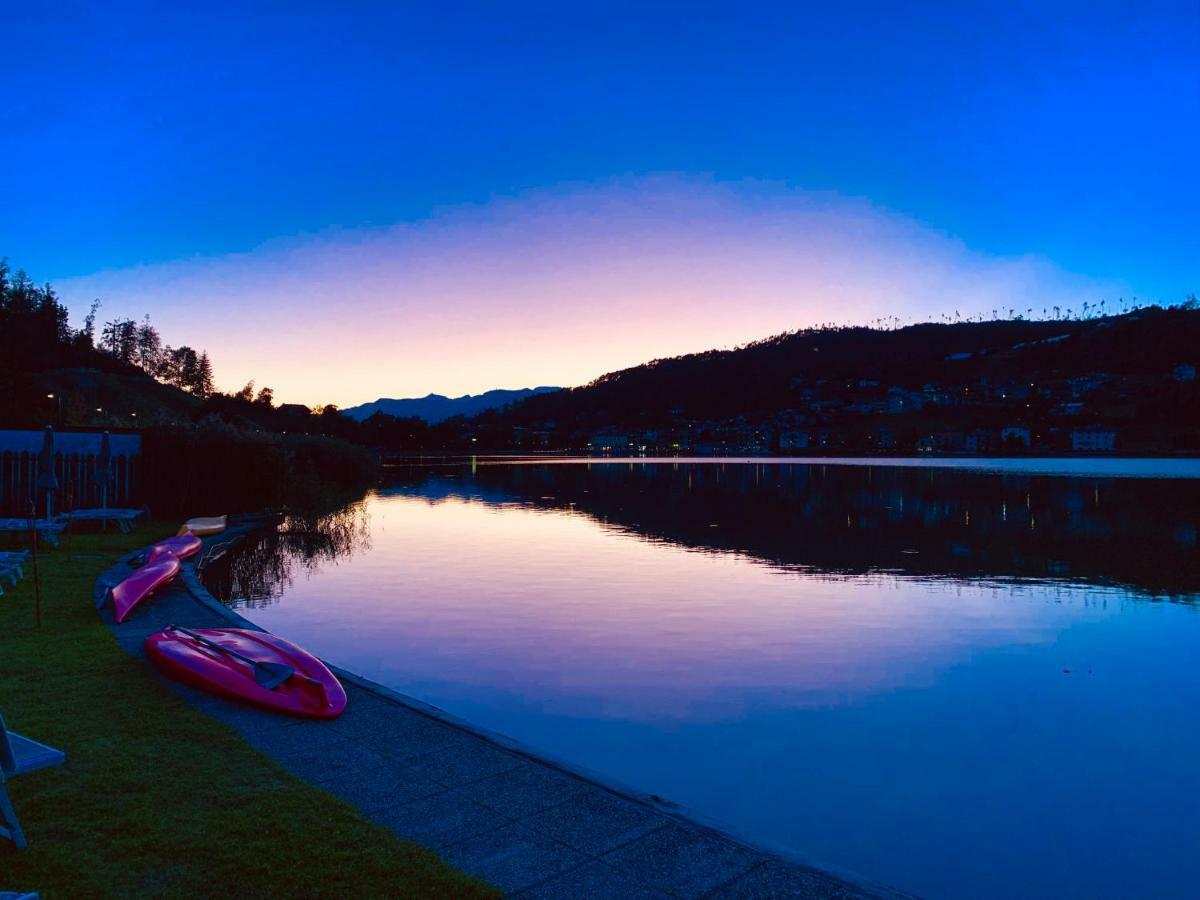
(885, 672)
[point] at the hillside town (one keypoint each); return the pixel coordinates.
(1096, 412)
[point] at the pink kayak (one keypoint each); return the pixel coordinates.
(142, 583)
(254, 666)
(181, 546)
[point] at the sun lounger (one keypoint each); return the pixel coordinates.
(12, 567)
(124, 518)
(14, 561)
(18, 756)
(49, 529)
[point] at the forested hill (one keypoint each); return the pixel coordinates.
(787, 371)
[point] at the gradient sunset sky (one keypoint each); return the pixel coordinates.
(354, 200)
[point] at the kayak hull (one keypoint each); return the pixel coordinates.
(127, 595)
(204, 525)
(313, 692)
(181, 547)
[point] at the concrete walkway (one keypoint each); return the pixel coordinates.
(486, 805)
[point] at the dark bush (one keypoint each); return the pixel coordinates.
(211, 468)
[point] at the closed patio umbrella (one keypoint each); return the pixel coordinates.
(47, 481)
(104, 469)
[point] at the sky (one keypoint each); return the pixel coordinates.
(360, 200)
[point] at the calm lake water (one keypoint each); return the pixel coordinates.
(956, 682)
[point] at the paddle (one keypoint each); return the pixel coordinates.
(267, 674)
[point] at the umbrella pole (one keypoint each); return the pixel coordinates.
(68, 508)
(37, 582)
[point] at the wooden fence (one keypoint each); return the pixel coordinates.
(75, 456)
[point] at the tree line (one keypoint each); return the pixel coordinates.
(35, 335)
(139, 344)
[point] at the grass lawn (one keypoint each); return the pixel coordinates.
(157, 799)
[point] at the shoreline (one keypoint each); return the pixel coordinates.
(1066, 465)
(744, 864)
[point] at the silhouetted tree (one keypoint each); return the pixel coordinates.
(149, 348)
(119, 340)
(204, 376)
(85, 338)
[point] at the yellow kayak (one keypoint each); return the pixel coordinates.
(204, 525)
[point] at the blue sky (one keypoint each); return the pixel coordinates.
(143, 135)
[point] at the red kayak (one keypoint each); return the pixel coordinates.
(254, 666)
(142, 583)
(182, 546)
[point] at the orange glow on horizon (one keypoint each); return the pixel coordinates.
(559, 287)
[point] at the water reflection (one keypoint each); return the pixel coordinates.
(945, 680)
(1137, 533)
(265, 564)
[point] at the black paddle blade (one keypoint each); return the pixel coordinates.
(271, 675)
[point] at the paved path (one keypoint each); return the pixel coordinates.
(533, 828)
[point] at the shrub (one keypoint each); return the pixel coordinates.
(211, 467)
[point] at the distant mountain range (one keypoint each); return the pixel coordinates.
(435, 408)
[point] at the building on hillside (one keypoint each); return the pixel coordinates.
(941, 442)
(900, 400)
(827, 438)
(294, 410)
(1014, 390)
(980, 441)
(1079, 385)
(793, 439)
(608, 442)
(1068, 408)
(530, 437)
(1093, 439)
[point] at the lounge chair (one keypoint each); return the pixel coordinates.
(12, 565)
(49, 529)
(125, 518)
(18, 756)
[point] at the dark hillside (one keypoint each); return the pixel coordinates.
(772, 375)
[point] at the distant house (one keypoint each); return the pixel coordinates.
(606, 442)
(1015, 436)
(980, 441)
(1093, 439)
(530, 437)
(1014, 390)
(900, 400)
(793, 439)
(941, 442)
(885, 438)
(1184, 372)
(828, 437)
(1068, 408)
(1084, 384)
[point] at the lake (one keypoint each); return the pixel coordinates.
(975, 680)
